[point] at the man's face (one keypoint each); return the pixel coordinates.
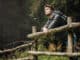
(47, 11)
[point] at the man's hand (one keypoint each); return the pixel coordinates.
(44, 29)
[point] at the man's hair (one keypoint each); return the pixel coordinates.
(50, 6)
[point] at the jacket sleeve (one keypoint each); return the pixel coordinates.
(56, 22)
(47, 24)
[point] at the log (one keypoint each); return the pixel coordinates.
(13, 49)
(53, 53)
(25, 58)
(34, 30)
(58, 29)
(70, 37)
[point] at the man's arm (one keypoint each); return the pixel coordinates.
(47, 24)
(51, 24)
(45, 27)
(57, 21)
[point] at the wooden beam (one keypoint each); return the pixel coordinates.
(70, 36)
(65, 27)
(13, 49)
(34, 30)
(53, 53)
(25, 58)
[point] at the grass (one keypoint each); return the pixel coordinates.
(53, 58)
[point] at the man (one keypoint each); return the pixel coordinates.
(55, 19)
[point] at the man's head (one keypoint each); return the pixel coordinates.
(48, 9)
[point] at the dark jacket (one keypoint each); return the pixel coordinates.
(58, 19)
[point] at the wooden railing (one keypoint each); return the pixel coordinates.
(35, 36)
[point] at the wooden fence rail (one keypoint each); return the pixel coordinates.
(65, 27)
(13, 49)
(53, 53)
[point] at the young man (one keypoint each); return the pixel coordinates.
(55, 19)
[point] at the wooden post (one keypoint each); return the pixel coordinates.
(35, 45)
(69, 47)
(34, 29)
